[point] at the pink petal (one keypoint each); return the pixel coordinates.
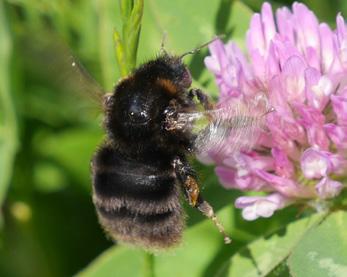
(313, 58)
(212, 64)
(327, 44)
(277, 126)
(306, 29)
(244, 201)
(309, 115)
(230, 74)
(254, 161)
(261, 206)
(276, 97)
(313, 120)
(285, 24)
(283, 166)
(339, 163)
(294, 80)
(338, 134)
(235, 55)
(255, 36)
(328, 188)
(341, 40)
(340, 108)
(315, 164)
(226, 176)
(317, 137)
(284, 49)
(272, 63)
(318, 89)
(217, 51)
(268, 23)
(250, 213)
(293, 130)
(286, 127)
(266, 208)
(259, 68)
(340, 28)
(247, 182)
(282, 185)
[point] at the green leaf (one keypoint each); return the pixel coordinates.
(118, 261)
(323, 250)
(132, 29)
(125, 8)
(263, 255)
(126, 45)
(120, 54)
(8, 122)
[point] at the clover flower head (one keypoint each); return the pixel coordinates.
(301, 66)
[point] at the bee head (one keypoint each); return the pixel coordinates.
(177, 71)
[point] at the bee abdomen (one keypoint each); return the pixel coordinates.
(138, 203)
(125, 213)
(147, 230)
(120, 181)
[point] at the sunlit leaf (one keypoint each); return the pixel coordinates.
(117, 261)
(263, 255)
(322, 251)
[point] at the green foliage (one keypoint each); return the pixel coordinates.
(129, 262)
(265, 254)
(126, 45)
(50, 224)
(8, 122)
(323, 249)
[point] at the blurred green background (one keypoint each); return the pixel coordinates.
(47, 136)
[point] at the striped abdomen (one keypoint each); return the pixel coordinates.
(136, 202)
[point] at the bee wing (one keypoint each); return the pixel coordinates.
(81, 80)
(235, 126)
(56, 63)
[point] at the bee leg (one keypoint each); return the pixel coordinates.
(203, 98)
(187, 178)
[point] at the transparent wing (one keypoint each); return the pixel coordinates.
(75, 78)
(231, 127)
(56, 63)
(81, 80)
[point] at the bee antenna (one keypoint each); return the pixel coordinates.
(162, 44)
(197, 49)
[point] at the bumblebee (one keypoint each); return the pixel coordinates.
(141, 170)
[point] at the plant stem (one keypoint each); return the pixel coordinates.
(126, 42)
(148, 265)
